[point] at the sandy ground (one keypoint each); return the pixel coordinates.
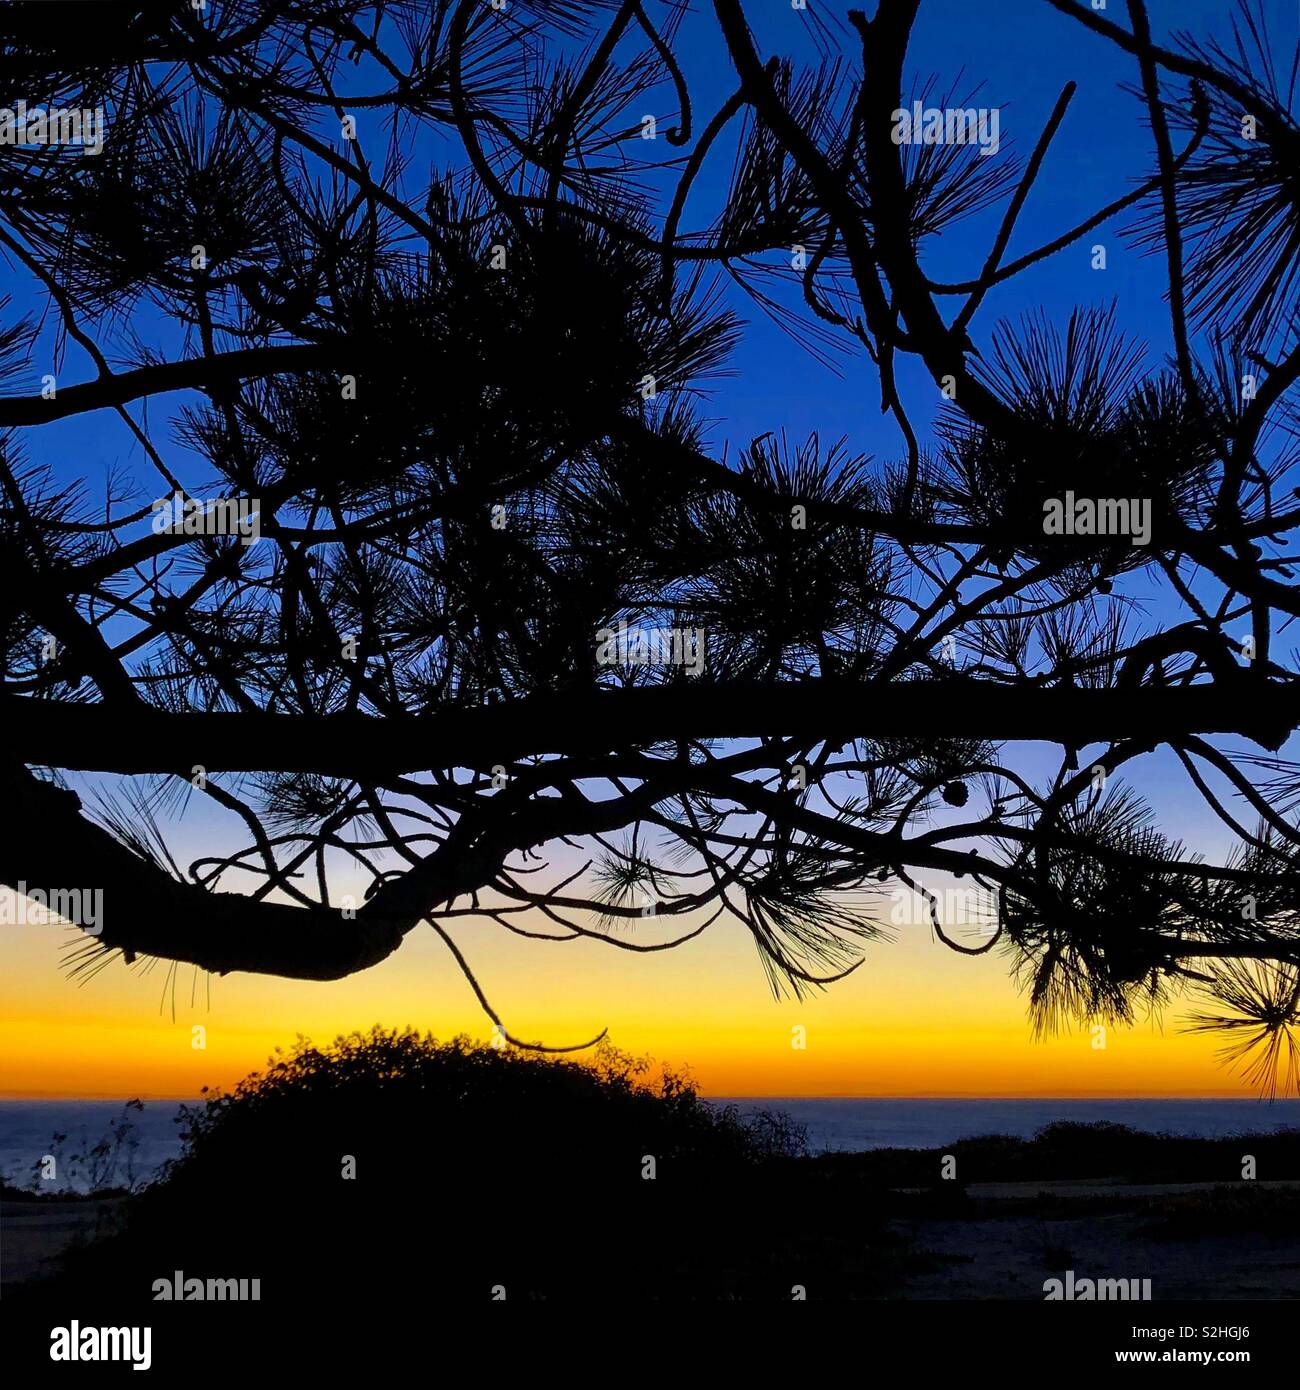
(1021, 1234)
(1016, 1236)
(31, 1233)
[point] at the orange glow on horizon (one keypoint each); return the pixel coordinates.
(914, 1020)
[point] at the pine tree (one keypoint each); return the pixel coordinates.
(503, 597)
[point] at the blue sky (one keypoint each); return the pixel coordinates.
(1019, 54)
(1015, 55)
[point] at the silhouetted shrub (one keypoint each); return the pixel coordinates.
(477, 1168)
(1069, 1149)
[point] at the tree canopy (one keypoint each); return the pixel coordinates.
(417, 282)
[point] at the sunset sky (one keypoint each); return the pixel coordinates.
(916, 1019)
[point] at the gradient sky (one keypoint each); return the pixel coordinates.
(915, 1019)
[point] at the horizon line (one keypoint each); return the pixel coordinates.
(14, 1096)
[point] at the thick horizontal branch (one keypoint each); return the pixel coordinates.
(49, 846)
(119, 388)
(103, 738)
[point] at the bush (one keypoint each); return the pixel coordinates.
(476, 1168)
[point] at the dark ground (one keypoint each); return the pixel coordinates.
(1103, 1201)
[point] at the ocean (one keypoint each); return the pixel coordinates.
(26, 1127)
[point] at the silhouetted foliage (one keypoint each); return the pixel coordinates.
(475, 1168)
(456, 358)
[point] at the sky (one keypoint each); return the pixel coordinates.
(915, 1019)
